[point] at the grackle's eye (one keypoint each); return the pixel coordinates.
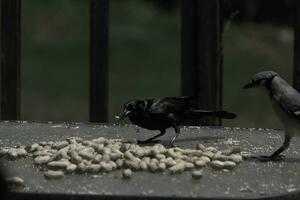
(139, 107)
(128, 107)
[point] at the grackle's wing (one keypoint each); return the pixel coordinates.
(167, 105)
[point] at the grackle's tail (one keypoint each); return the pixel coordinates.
(192, 113)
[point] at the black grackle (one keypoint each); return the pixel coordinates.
(160, 114)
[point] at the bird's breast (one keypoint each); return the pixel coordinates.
(290, 124)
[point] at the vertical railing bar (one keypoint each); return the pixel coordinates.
(10, 59)
(1, 57)
(188, 48)
(296, 66)
(201, 54)
(99, 60)
(221, 54)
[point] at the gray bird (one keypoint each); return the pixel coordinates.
(286, 103)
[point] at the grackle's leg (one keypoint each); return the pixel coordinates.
(162, 132)
(276, 155)
(174, 119)
(177, 132)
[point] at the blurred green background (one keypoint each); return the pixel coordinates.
(144, 60)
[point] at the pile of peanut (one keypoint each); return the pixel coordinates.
(76, 155)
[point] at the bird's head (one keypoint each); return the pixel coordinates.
(133, 107)
(261, 79)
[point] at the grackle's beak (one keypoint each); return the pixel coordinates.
(125, 114)
(249, 85)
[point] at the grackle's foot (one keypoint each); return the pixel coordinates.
(148, 141)
(270, 158)
(171, 145)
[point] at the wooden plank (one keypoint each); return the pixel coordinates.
(296, 67)
(10, 59)
(276, 180)
(98, 60)
(201, 53)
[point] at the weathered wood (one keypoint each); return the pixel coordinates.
(201, 53)
(10, 59)
(249, 180)
(296, 68)
(98, 60)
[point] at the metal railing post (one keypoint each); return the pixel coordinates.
(202, 55)
(98, 60)
(10, 59)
